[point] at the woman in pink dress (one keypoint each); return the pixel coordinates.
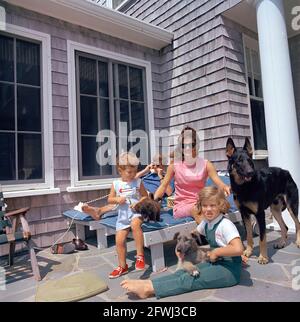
(190, 173)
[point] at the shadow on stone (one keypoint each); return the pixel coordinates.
(245, 278)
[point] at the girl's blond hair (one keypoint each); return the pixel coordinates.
(127, 159)
(216, 194)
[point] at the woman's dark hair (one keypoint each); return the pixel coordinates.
(186, 132)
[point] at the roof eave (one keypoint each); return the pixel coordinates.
(102, 19)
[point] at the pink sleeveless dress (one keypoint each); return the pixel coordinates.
(189, 180)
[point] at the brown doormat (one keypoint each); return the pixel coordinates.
(70, 288)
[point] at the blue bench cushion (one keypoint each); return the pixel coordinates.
(78, 215)
(110, 220)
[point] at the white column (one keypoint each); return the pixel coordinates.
(279, 99)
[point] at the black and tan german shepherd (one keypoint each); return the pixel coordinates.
(256, 190)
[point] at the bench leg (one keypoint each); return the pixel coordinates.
(101, 238)
(80, 233)
(12, 247)
(157, 257)
(34, 262)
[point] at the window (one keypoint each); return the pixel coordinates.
(256, 96)
(21, 142)
(108, 92)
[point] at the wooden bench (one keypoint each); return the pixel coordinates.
(9, 234)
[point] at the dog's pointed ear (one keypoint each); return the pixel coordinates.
(230, 147)
(176, 235)
(195, 234)
(247, 146)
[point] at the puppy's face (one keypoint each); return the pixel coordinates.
(149, 209)
(187, 243)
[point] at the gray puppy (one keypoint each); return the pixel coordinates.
(189, 252)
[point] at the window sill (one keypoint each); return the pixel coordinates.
(89, 187)
(260, 154)
(30, 192)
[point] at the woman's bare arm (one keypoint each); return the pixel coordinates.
(212, 173)
(165, 182)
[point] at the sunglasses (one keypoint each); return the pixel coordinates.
(189, 145)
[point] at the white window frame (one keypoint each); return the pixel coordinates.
(252, 43)
(46, 187)
(72, 47)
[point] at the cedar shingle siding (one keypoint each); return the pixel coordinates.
(202, 74)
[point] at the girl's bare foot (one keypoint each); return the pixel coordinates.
(94, 212)
(141, 288)
(244, 260)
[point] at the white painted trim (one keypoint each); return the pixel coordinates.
(33, 192)
(46, 86)
(252, 43)
(102, 19)
(71, 48)
(89, 187)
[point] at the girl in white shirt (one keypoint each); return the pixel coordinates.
(224, 266)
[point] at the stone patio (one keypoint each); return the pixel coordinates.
(271, 283)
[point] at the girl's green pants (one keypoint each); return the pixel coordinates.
(217, 275)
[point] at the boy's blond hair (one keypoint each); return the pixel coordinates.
(127, 159)
(216, 194)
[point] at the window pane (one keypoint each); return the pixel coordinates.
(107, 168)
(104, 114)
(123, 136)
(28, 63)
(89, 148)
(255, 62)
(6, 59)
(87, 76)
(115, 70)
(103, 79)
(259, 126)
(258, 88)
(136, 84)
(138, 116)
(88, 114)
(123, 84)
(250, 85)
(248, 61)
(29, 109)
(7, 107)
(124, 113)
(7, 156)
(30, 156)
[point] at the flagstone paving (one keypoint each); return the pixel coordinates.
(272, 282)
